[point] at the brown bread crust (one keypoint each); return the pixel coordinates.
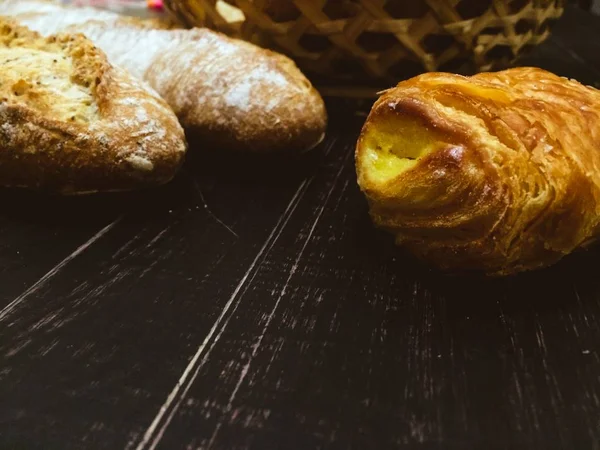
(113, 134)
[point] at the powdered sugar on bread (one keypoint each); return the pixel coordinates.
(240, 94)
(227, 91)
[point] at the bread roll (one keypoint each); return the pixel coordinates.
(228, 92)
(498, 172)
(72, 123)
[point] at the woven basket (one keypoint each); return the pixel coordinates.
(379, 41)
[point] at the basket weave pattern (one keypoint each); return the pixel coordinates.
(381, 40)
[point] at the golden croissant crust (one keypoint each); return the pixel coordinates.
(498, 172)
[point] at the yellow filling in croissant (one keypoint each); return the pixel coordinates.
(396, 146)
(497, 172)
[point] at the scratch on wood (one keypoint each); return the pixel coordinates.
(208, 210)
(128, 244)
(42, 281)
(583, 314)
(539, 336)
(48, 348)
(156, 238)
(196, 363)
(20, 346)
(153, 434)
(282, 293)
(45, 320)
(507, 326)
(163, 255)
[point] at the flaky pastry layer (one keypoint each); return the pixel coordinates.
(498, 172)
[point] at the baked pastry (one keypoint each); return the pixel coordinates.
(227, 92)
(72, 123)
(498, 172)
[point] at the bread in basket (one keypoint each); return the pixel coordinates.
(381, 41)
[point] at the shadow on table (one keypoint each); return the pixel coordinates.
(573, 279)
(273, 169)
(77, 210)
(222, 170)
(242, 167)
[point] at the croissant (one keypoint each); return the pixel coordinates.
(499, 172)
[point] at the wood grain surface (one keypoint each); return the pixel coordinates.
(250, 304)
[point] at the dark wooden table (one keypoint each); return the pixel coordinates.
(250, 304)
